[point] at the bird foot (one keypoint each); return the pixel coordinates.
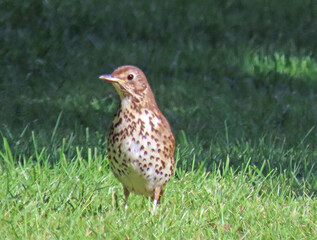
(154, 206)
(126, 194)
(157, 195)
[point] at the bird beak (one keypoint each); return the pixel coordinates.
(110, 78)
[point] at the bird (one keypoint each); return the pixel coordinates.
(140, 143)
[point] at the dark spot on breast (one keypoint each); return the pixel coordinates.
(118, 123)
(131, 115)
(163, 163)
(118, 112)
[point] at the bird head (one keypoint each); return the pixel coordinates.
(130, 82)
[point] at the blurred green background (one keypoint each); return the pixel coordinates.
(234, 78)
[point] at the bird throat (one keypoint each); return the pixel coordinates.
(119, 90)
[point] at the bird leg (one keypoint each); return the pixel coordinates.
(126, 194)
(156, 198)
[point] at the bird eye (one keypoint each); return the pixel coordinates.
(130, 77)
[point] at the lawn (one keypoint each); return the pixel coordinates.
(236, 79)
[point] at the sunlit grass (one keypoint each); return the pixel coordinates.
(80, 198)
(299, 67)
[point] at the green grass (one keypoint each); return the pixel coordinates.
(80, 197)
(235, 79)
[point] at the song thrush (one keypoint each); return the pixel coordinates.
(140, 141)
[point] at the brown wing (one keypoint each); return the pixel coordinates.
(167, 140)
